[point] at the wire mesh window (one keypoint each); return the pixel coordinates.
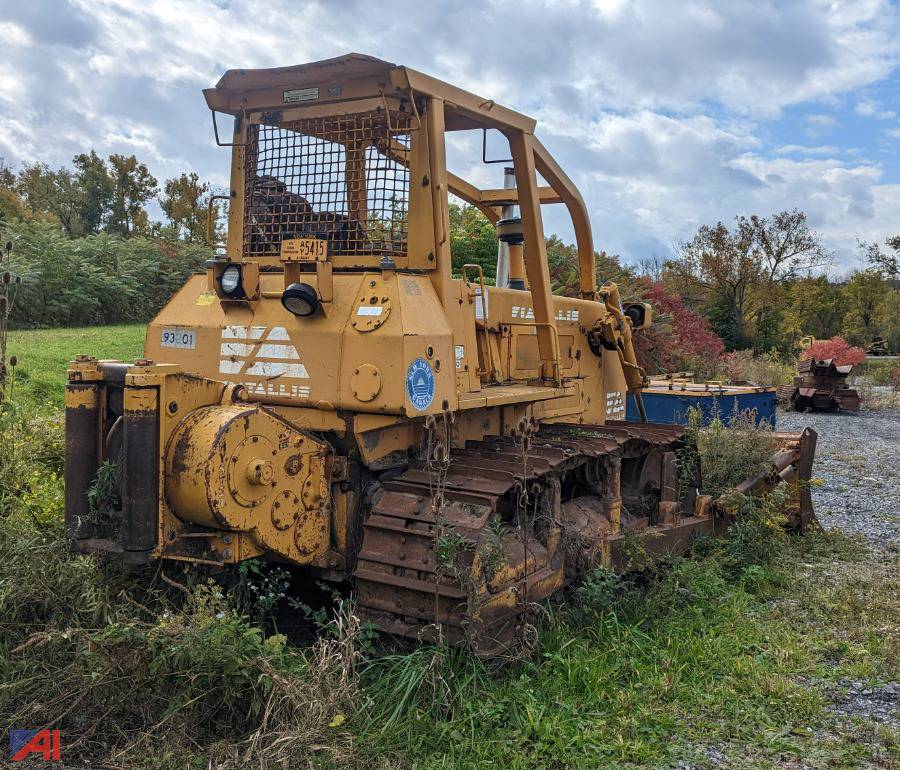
(338, 178)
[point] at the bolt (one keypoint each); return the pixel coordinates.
(227, 553)
(226, 539)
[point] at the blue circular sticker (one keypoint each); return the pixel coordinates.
(420, 384)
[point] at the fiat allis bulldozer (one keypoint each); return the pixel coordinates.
(329, 394)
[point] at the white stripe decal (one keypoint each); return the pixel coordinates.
(242, 346)
(236, 349)
(269, 369)
(230, 367)
(278, 352)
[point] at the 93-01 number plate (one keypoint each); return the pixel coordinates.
(173, 337)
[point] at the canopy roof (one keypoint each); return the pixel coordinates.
(354, 75)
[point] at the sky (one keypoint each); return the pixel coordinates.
(666, 114)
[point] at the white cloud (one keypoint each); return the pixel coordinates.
(799, 149)
(869, 108)
(651, 180)
(820, 121)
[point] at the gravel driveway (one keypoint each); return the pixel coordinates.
(858, 458)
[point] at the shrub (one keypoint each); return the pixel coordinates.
(836, 348)
(729, 455)
(758, 368)
(31, 462)
(97, 279)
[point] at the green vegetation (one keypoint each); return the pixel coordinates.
(737, 650)
(43, 355)
(96, 279)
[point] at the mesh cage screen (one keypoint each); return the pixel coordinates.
(330, 178)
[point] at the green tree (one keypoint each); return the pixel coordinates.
(813, 306)
(863, 295)
(56, 193)
(184, 202)
(733, 274)
(11, 204)
(132, 187)
(473, 239)
(717, 271)
(96, 190)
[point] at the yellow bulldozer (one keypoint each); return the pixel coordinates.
(330, 395)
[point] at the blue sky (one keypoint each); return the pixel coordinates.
(668, 115)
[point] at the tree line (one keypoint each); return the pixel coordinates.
(111, 196)
(88, 252)
(761, 283)
(84, 244)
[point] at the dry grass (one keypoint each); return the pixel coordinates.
(302, 714)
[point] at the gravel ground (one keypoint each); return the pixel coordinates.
(858, 459)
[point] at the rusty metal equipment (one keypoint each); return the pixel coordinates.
(821, 386)
(879, 347)
(331, 396)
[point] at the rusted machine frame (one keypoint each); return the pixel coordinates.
(821, 385)
(255, 459)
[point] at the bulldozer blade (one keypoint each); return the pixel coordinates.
(791, 464)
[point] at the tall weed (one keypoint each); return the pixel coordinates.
(729, 454)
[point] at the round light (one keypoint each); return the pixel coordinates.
(230, 281)
(300, 299)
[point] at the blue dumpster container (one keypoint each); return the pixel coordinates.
(669, 402)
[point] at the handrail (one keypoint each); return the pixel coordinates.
(210, 227)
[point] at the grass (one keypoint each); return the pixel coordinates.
(720, 655)
(43, 355)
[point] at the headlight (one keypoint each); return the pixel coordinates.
(300, 299)
(637, 312)
(230, 282)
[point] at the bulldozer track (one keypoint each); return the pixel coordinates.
(423, 571)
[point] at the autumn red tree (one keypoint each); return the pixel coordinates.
(679, 338)
(836, 348)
